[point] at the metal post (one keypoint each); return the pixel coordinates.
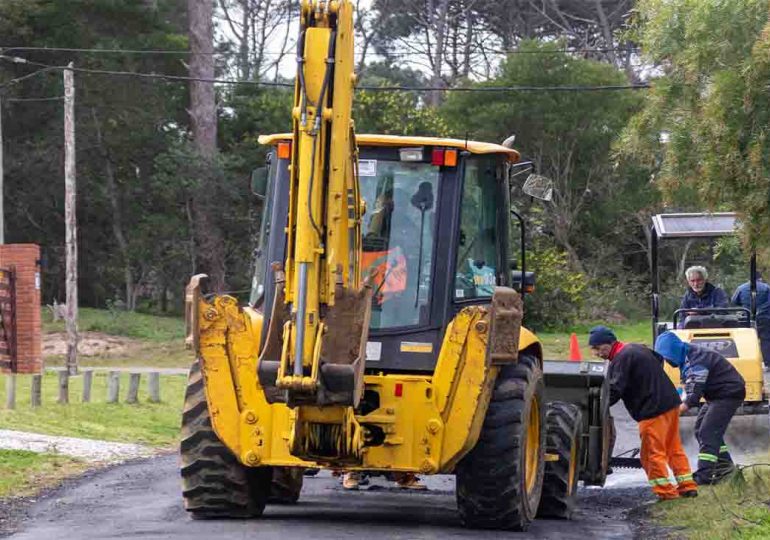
(70, 222)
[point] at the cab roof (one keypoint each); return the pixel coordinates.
(692, 225)
(474, 147)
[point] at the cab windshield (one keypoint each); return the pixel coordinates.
(398, 238)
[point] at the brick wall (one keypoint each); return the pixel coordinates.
(26, 257)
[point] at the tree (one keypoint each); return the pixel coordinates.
(120, 127)
(203, 120)
(568, 135)
(439, 36)
(253, 25)
(704, 125)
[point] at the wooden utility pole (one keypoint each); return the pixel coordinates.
(70, 221)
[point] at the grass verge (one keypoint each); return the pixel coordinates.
(556, 344)
(155, 424)
(122, 323)
(735, 509)
(25, 473)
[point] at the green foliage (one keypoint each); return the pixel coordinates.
(395, 113)
(704, 123)
(154, 424)
(569, 137)
(559, 290)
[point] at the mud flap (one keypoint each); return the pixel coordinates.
(505, 317)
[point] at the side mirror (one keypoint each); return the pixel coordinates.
(259, 182)
(539, 187)
(528, 280)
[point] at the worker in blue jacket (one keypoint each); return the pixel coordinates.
(708, 375)
(742, 297)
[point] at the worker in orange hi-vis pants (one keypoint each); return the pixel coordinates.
(661, 449)
(636, 376)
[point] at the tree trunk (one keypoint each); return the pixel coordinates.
(439, 26)
(203, 114)
(203, 119)
(117, 212)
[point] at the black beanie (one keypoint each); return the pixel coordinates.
(599, 335)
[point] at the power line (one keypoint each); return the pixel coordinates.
(27, 76)
(481, 89)
(5, 49)
(28, 100)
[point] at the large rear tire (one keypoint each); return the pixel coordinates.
(500, 481)
(564, 427)
(214, 483)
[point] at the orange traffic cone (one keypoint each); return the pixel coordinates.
(574, 349)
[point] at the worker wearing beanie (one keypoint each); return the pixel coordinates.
(709, 375)
(636, 376)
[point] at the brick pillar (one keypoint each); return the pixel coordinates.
(25, 258)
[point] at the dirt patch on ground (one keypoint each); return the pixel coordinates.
(90, 344)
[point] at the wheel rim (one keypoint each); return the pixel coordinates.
(572, 465)
(533, 445)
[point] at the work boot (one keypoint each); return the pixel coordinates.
(409, 481)
(689, 494)
(350, 480)
(353, 480)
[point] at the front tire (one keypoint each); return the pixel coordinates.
(500, 481)
(564, 424)
(214, 483)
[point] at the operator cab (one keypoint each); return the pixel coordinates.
(437, 235)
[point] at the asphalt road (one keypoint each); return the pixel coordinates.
(142, 500)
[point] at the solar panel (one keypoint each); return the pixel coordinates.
(695, 225)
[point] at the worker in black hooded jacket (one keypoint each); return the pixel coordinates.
(707, 375)
(636, 376)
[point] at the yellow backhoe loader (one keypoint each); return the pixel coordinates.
(384, 328)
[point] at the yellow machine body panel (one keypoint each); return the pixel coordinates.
(407, 432)
(474, 147)
(739, 345)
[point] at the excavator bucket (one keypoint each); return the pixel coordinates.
(342, 356)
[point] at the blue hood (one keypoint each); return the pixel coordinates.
(673, 349)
